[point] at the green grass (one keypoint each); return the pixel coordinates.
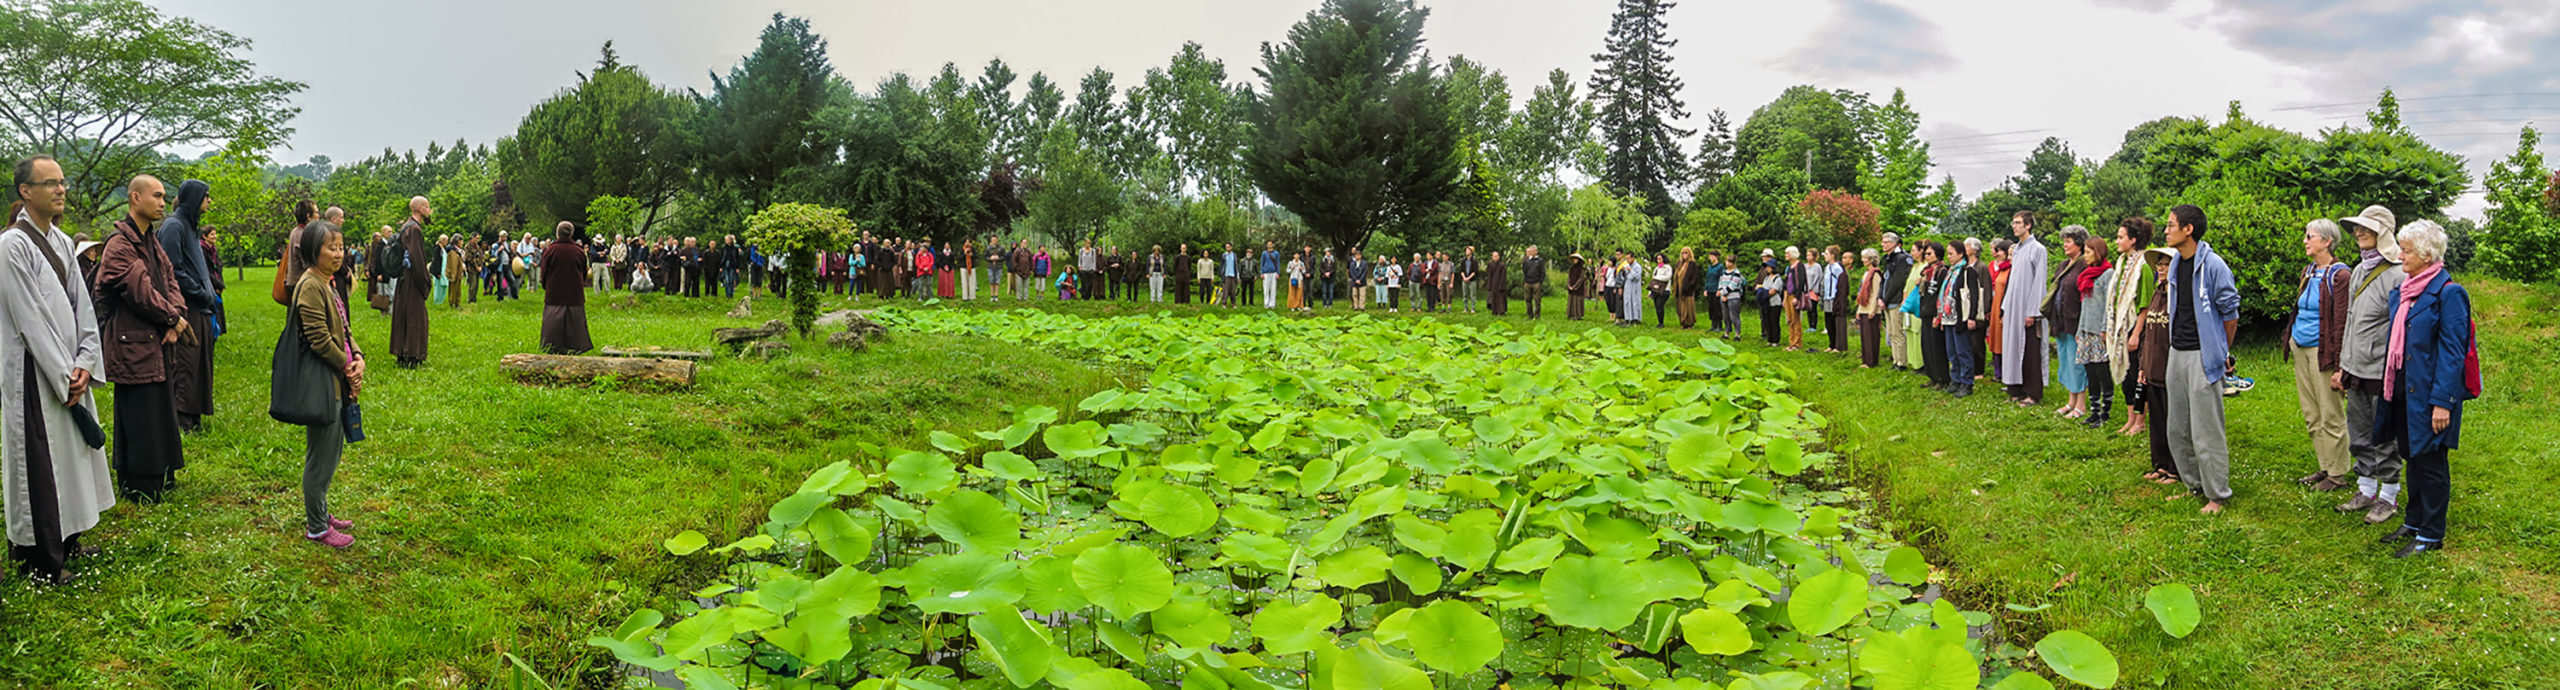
(500, 519)
(493, 518)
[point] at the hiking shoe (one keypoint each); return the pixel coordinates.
(2358, 504)
(2381, 511)
(2404, 533)
(2313, 478)
(2332, 484)
(332, 538)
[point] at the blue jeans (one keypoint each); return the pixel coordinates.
(1325, 288)
(729, 281)
(1959, 354)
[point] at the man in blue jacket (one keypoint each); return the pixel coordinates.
(2204, 317)
(1227, 275)
(1270, 274)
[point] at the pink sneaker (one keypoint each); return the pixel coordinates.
(340, 525)
(333, 539)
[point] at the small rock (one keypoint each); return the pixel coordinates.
(848, 340)
(770, 349)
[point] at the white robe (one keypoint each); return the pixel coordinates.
(36, 318)
(2028, 279)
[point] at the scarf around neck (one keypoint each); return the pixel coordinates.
(2399, 353)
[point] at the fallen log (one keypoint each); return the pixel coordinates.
(573, 369)
(654, 353)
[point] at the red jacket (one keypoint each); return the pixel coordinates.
(138, 302)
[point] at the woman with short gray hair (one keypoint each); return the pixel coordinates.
(2426, 378)
(2315, 330)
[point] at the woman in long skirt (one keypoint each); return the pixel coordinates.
(1870, 309)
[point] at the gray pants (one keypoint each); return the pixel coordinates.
(2376, 456)
(2196, 441)
(1473, 299)
(322, 447)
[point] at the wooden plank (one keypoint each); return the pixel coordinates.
(655, 353)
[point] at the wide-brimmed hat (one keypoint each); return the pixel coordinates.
(2379, 221)
(2159, 256)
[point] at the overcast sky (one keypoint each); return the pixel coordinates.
(1989, 79)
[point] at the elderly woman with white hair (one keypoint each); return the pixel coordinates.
(2428, 372)
(2312, 338)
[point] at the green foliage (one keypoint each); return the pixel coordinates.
(1838, 218)
(107, 85)
(2047, 177)
(1523, 498)
(2522, 239)
(1353, 131)
(1808, 123)
(912, 160)
(1080, 195)
(1713, 228)
(754, 127)
(2078, 207)
(615, 133)
(1639, 99)
(1769, 193)
(613, 216)
(1897, 168)
(462, 201)
(1596, 220)
(243, 213)
(799, 230)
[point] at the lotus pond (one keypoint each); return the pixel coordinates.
(1343, 503)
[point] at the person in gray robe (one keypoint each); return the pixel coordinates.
(52, 479)
(2021, 333)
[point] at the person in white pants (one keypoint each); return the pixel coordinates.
(1155, 275)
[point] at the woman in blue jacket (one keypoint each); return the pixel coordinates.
(2424, 384)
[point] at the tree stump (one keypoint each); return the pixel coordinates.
(669, 373)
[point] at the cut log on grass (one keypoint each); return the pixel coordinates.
(739, 337)
(655, 353)
(572, 369)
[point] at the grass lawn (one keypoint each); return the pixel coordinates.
(492, 518)
(499, 519)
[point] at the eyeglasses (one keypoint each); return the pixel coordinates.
(50, 184)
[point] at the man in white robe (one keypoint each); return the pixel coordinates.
(2021, 333)
(54, 484)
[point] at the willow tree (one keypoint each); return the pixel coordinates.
(1353, 131)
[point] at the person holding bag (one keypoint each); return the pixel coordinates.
(318, 377)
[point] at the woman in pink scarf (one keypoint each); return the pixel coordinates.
(2424, 383)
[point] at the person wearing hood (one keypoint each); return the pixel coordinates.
(2204, 316)
(145, 320)
(2361, 344)
(409, 306)
(51, 467)
(191, 360)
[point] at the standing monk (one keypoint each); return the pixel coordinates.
(1498, 286)
(191, 363)
(1684, 288)
(56, 482)
(146, 318)
(1577, 286)
(409, 307)
(564, 299)
(2021, 333)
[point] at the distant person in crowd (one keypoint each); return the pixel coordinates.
(1533, 284)
(1729, 291)
(1687, 282)
(1933, 338)
(2022, 367)
(409, 307)
(55, 480)
(2090, 290)
(1961, 310)
(1773, 302)
(1357, 271)
(2365, 340)
(2062, 318)
(1869, 298)
(1835, 299)
(146, 318)
(1798, 281)
(2204, 317)
(191, 362)
(1896, 263)
(1497, 280)
(322, 320)
(1270, 273)
(2313, 338)
(564, 304)
(1658, 281)
(2429, 370)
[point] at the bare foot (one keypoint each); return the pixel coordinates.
(2176, 497)
(2211, 508)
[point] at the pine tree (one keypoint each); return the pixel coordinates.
(1353, 131)
(1715, 150)
(1639, 100)
(1897, 167)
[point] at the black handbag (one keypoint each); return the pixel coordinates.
(304, 389)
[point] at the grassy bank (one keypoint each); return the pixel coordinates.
(492, 518)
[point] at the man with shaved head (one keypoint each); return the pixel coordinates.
(564, 296)
(408, 302)
(145, 320)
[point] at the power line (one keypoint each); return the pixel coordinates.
(1991, 134)
(2318, 106)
